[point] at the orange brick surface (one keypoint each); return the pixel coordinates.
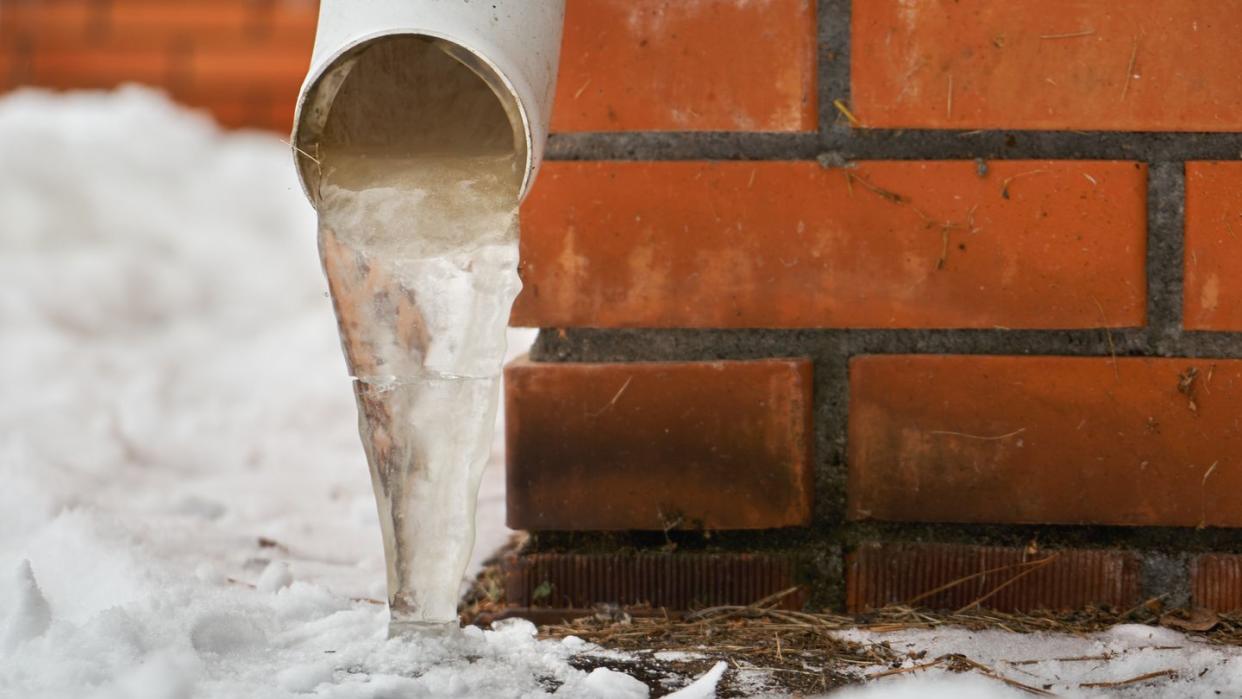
(1216, 581)
(59, 21)
(194, 21)
(791, 244)
(238, 66)
(1162, 65)
(1056, 440)
(657, 446)
(1213, 246)
(672, 65)
(1006, 579)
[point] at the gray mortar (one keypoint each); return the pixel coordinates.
(835, 143)
(1167, 576)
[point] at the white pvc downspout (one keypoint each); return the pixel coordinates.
(513, 44)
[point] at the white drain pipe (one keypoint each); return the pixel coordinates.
(514, 45)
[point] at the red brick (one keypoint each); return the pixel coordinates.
(1158, 65)
(99, 66)
(671, 65)
(59, 21)
(8, 69)
(1213, 296)
(245, 66)
(1045, 440)
(244, 105)
(150, 20)
(690, 445)
(280, 115)
(792, 244)
(680, 582)
(1216, 581)
(1001, 578)
(292, 21)
(229, 111)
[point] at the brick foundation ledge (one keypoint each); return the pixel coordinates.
(677, 582)
(1008, 579)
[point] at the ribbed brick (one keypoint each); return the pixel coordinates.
(1216, 582)
(1033, 244)
(679, 581)
(1156, 65)
(672, 65)
(1213, 247)
(690, 445)
(1057, 440)
(953, 576)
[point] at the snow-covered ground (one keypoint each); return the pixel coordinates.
(184, 506)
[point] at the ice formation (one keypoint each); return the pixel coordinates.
(417, 200)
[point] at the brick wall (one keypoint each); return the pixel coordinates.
(242, 60)
(976, 255)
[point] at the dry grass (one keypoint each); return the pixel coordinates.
(803, 652)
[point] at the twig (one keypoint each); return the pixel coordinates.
(948, 107)
(1170, 673)
(1108, 333)
(903, 670)
(968, 578)
(989, 672)
(308, 156)
(845, 111)
(1009, 180)
(1125, 88)
(730, 609)
(614, 398)
(1075, 659)
(889, 195)
(1040, 564)
(1071, 35)
(997, 438)
(1210, 471)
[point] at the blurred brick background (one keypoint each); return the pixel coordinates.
(242, 60)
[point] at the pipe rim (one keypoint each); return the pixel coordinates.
(509, 98)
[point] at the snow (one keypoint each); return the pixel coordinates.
(704, 687)
(610, 684)
(30, 615)
(1060, 663)
(186, 510)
